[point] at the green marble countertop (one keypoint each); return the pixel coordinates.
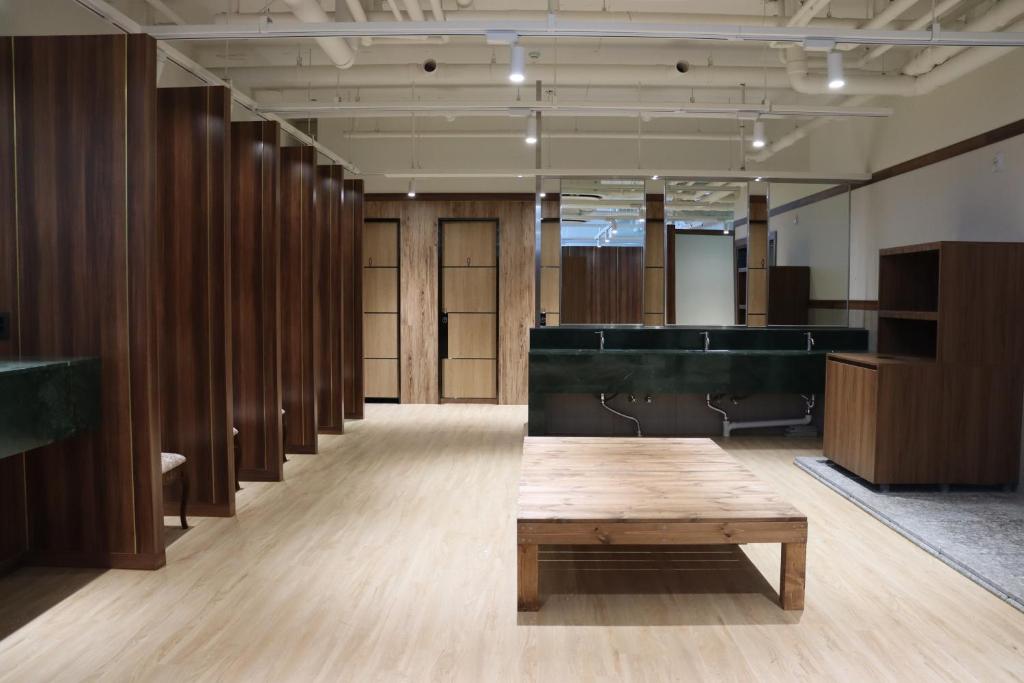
(46, 400)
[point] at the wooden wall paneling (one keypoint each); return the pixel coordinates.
(352, 262)
(330, 287)
(602, 285)
(13, 540)
(380, 308)
(256, 297)
(194, 299)
(86, 124)
(418, 287)
(654, 261)
(298, 298)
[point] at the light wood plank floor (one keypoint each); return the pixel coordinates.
(391, 557)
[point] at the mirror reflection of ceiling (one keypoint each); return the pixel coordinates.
(702, 205)
(605, 212)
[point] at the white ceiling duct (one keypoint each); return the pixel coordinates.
(996, 18)
(336, 49)
(807, 12)
(941, 10)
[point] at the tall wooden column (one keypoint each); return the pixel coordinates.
(330, 283)
(654, 261)
(77, 246)
(256, 297)
(757, 262)
(194, 298)
(298, 298)
(352, 262)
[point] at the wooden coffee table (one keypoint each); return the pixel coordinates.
(629, 491)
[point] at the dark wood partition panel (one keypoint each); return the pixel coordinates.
(256, 297)
(330, 376)
(81, 174)
(194, 298)
(352, 264)
(602, 285)
(298, 298)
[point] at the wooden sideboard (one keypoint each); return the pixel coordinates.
(940, 403)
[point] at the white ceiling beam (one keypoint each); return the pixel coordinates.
(556, 28)
(674, 174)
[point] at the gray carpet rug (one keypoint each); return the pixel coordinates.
(980, 533)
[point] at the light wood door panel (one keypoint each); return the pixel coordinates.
(549, 289)
(380, 244)
(380, 335)
(654, 290)
(472, 335)
(757, 291)
(380, 290)
(469, 243)
(381, 377)
(551, 244)
(470, 290)
(469, 379)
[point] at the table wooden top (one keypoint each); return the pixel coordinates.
(603, 479)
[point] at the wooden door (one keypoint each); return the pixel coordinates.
(469, 310)
(380, 309)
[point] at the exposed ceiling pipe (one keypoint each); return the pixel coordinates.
(996, 18)
(336, 49)
(437, 10)
(162, 7)
(414, 10)
(891, 13)
(807, 12)
(355, 8)
(391, 75)
(941, 10)
(957, 67)
(518, 135)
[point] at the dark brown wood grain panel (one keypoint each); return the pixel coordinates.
(13, 542)
(256, 297)
(352, 265)
(85, 123)
(602, 285)
(298, 298)
(193, 301)
(330, 285)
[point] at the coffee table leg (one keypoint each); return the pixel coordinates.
(794, 569)
(529, 578)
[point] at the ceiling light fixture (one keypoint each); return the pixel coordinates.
(655, 176)
(412, 187)
(835, 71)
(531, 129)
(517, 63)
(758, 142)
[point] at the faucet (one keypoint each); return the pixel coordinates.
(600, 340)
(707, 340)
(810, 341)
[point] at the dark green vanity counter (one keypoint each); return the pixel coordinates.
(671, 360)
(43, 401)
(665, 371)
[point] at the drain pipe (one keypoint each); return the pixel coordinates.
(728, 427)
(622, 415)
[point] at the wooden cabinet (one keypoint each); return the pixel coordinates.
(940, 403)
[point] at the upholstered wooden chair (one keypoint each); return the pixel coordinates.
(171, 462)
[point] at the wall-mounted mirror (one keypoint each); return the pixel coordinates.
(701, 280)
(809, 230)
(601, 244)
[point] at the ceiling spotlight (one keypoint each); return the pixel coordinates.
(412, 187)
(531, 130)
(655, 176)
(758, 179)
(517, 63)
(835, 71)
(758, 141)
(543, 194)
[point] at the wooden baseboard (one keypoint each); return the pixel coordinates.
(12, 563)
(171, 509)
(331, 430)
(142, 561)
(301, 450)
(259, 475)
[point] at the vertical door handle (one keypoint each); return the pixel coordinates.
(467, 261)
(370, 262)
(443, 334)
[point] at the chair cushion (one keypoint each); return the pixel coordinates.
(234, 431)
(170, 461)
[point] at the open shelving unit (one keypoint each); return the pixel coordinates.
(940, 403)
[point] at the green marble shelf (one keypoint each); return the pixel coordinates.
(43, 401)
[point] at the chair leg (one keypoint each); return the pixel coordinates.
(238, 461)
(184, 496)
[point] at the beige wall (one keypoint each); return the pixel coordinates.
(419, 287)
